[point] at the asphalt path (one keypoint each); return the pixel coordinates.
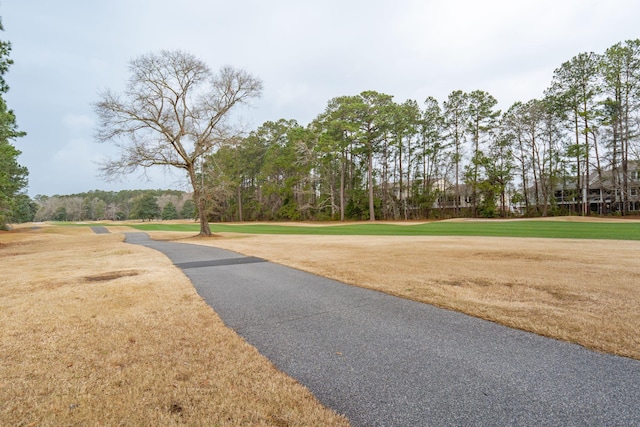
(99, 229)
(386, 361)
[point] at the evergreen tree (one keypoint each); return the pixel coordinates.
(169, 212)
(456, 122)
(146, 207)
(483, 120)
(188, 210)
(60, 214)
(24, 209)
(335, 129)
(432, 153)
(13, 176)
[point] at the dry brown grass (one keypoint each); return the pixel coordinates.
(97, 332)
(581, 291)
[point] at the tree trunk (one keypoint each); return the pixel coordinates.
(198, 195)
(401, 181)
(535, 163)
(602, 204)
(474, 181)
(523, 169)
(587, 160)
(240, 203)
(624, 145)
(614, 165)
(457, 198)
(372, 215)
(343, 172)
(579, 180)
(205, 230)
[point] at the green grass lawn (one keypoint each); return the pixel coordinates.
(546, 229)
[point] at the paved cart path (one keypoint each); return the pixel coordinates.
(99, 229)
(386, 361)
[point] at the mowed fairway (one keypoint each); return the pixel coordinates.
(564, 227)
(585, 291)
(98, 332)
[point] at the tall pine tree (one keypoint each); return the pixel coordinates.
(13, 176)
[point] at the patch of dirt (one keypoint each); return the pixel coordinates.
(493, 255)
(112, 275)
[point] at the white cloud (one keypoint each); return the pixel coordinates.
(78, 153)
(78, 123)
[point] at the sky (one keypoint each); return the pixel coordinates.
(66, 52)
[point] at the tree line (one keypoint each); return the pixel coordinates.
(368, 157)
(116, 206)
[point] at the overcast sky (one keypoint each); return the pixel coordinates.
(306, 52)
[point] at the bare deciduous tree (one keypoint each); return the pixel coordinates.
(174, 111)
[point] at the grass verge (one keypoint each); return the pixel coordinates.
(97, 332)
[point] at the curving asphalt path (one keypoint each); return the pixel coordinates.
(385, 361)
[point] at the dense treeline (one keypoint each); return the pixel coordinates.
(15, 206)
(368, 157)
(122, 205)
(574, 151)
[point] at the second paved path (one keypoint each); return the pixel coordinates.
(386, 361)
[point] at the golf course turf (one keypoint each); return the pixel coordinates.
(537, 229)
